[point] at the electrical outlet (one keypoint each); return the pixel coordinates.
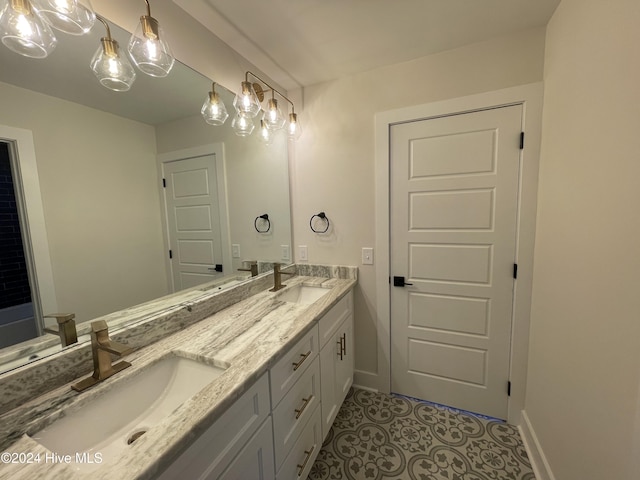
(367, 256)
(286, 252)
(235, 250)
(303, 255)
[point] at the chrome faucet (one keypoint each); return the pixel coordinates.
(66, 328)
(102, 347)
(253, 268)
(277, 277)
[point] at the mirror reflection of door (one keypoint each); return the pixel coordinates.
(193, 219)
(17, 321)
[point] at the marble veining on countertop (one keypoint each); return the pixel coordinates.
(249, 336)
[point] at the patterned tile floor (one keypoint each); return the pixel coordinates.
(378, 436)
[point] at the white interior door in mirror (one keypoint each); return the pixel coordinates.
(193, 220)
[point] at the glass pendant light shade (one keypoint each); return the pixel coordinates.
(24, 31)
(213, 110)
(273, 116)
(69, 16)
(242, 125)
(113, 70)
(149, 49)
(266, 134)
(294, 129)
(247, 102)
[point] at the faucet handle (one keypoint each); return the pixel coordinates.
(61, 317)
(100, 331)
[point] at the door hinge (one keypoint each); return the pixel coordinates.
(515, 270)
(164, 183)
(521, 140)
(508, 388)
(170, 254)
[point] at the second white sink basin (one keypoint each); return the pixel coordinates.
(110, 422)
(303, 294)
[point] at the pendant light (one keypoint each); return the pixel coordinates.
(294, 130)
(114, 71)
(273, 115)
(266, 134)
(24, 31)
(247, 102)
(242, 125)
(213, 110)
(148, 47)
(69, 16)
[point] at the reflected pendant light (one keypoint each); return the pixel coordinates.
(266, 135)
(294, 130)
(148, 47)
(24, 31)
(213, 109)
(242, 125)
(69, 16)
(247, 102)
(273, 116)
(113, 70)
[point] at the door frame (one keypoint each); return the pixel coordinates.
(216, 149)
(530, 97)
(24, 169)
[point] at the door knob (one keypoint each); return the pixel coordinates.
(399, 282)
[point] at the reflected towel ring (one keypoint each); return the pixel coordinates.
(321, 216)
(264, 217)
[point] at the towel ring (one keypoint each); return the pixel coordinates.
(264, 217)
(321, 216)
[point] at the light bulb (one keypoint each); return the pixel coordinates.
(273, 116)
(70, 16)
(247, 102)
(23, 30)
(213, 110)
(266, 135)
(112, 69)
(242, 125)
(149, 49)
(294, 130)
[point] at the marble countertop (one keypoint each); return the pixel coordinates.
(250, 336)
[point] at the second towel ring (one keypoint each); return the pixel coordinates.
(321, 216)
(264, 217)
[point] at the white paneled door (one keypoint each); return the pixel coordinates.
(454, 194)
(193, 220)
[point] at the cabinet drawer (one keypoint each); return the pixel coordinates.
(304, 452)
(295, 409)
(331, 320)
(292, 365)
(211, 453)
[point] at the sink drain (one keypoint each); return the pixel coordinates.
(135, 436)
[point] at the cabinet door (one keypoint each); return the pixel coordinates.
(329, 359)
(255, 460)
(344, 362)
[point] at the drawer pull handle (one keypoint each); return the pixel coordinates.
(304, 464)
(344, 343)
(304, 405)
(304, 356)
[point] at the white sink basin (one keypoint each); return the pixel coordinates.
(303, 294)
(111, 422)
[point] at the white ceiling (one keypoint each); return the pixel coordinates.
(303, 42)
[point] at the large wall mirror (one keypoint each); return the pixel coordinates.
(106, 219)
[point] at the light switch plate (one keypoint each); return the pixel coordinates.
(235, 250)
(367, 256)
(286, 252)
(303, 255)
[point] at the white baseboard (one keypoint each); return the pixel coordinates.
(539, 463)
(365, 380)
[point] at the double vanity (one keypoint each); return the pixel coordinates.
(248, 392)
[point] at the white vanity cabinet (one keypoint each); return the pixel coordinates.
(336, 358)
(236, 442)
